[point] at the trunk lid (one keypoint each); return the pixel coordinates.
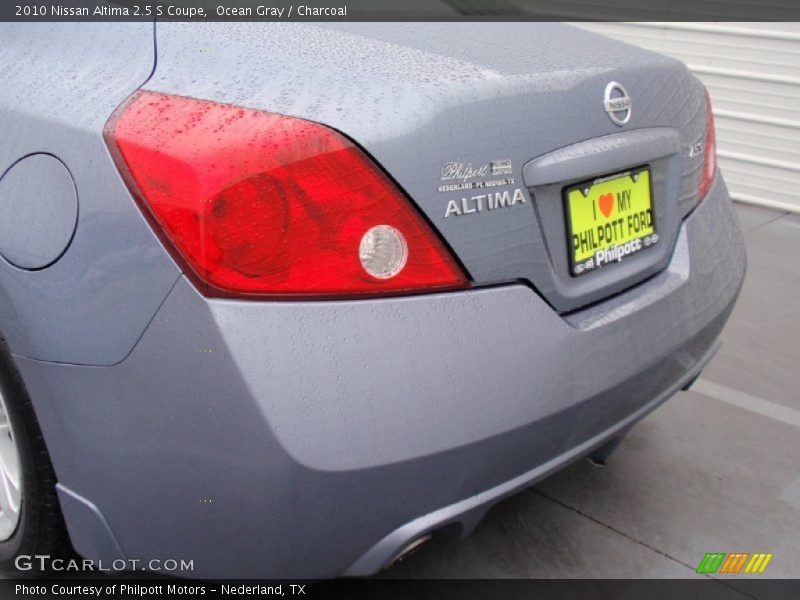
(482, 124)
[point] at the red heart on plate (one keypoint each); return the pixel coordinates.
(606, 203)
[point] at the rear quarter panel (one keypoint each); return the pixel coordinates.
(61, 82)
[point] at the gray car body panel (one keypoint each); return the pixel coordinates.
(311, 439)
(62, 81)
(289, 439)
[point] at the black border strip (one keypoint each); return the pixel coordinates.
(401, 10)
(131, 587)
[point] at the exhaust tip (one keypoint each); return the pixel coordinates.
(410, 549)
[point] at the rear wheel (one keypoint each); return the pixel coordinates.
(10, 476)
(30, 516)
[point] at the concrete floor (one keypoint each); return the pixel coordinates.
(716, 469)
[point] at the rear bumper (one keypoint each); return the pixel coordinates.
(315, 439)
(467, 513)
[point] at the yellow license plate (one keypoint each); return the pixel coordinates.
(609, 219)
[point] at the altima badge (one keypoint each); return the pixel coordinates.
(484, 202)
(617, 103)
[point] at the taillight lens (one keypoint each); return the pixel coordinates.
(710, 154)
(264, 204)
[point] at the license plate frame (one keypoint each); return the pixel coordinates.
(592, 245)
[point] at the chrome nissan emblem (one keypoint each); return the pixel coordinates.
(617, 103)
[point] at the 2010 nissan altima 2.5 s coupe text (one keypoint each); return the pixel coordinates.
(284, 300)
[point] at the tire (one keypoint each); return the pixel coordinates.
(40, 529)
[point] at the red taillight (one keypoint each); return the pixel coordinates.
(265, 204)
(710, 154)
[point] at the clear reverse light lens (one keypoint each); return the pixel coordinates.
(383, 252)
